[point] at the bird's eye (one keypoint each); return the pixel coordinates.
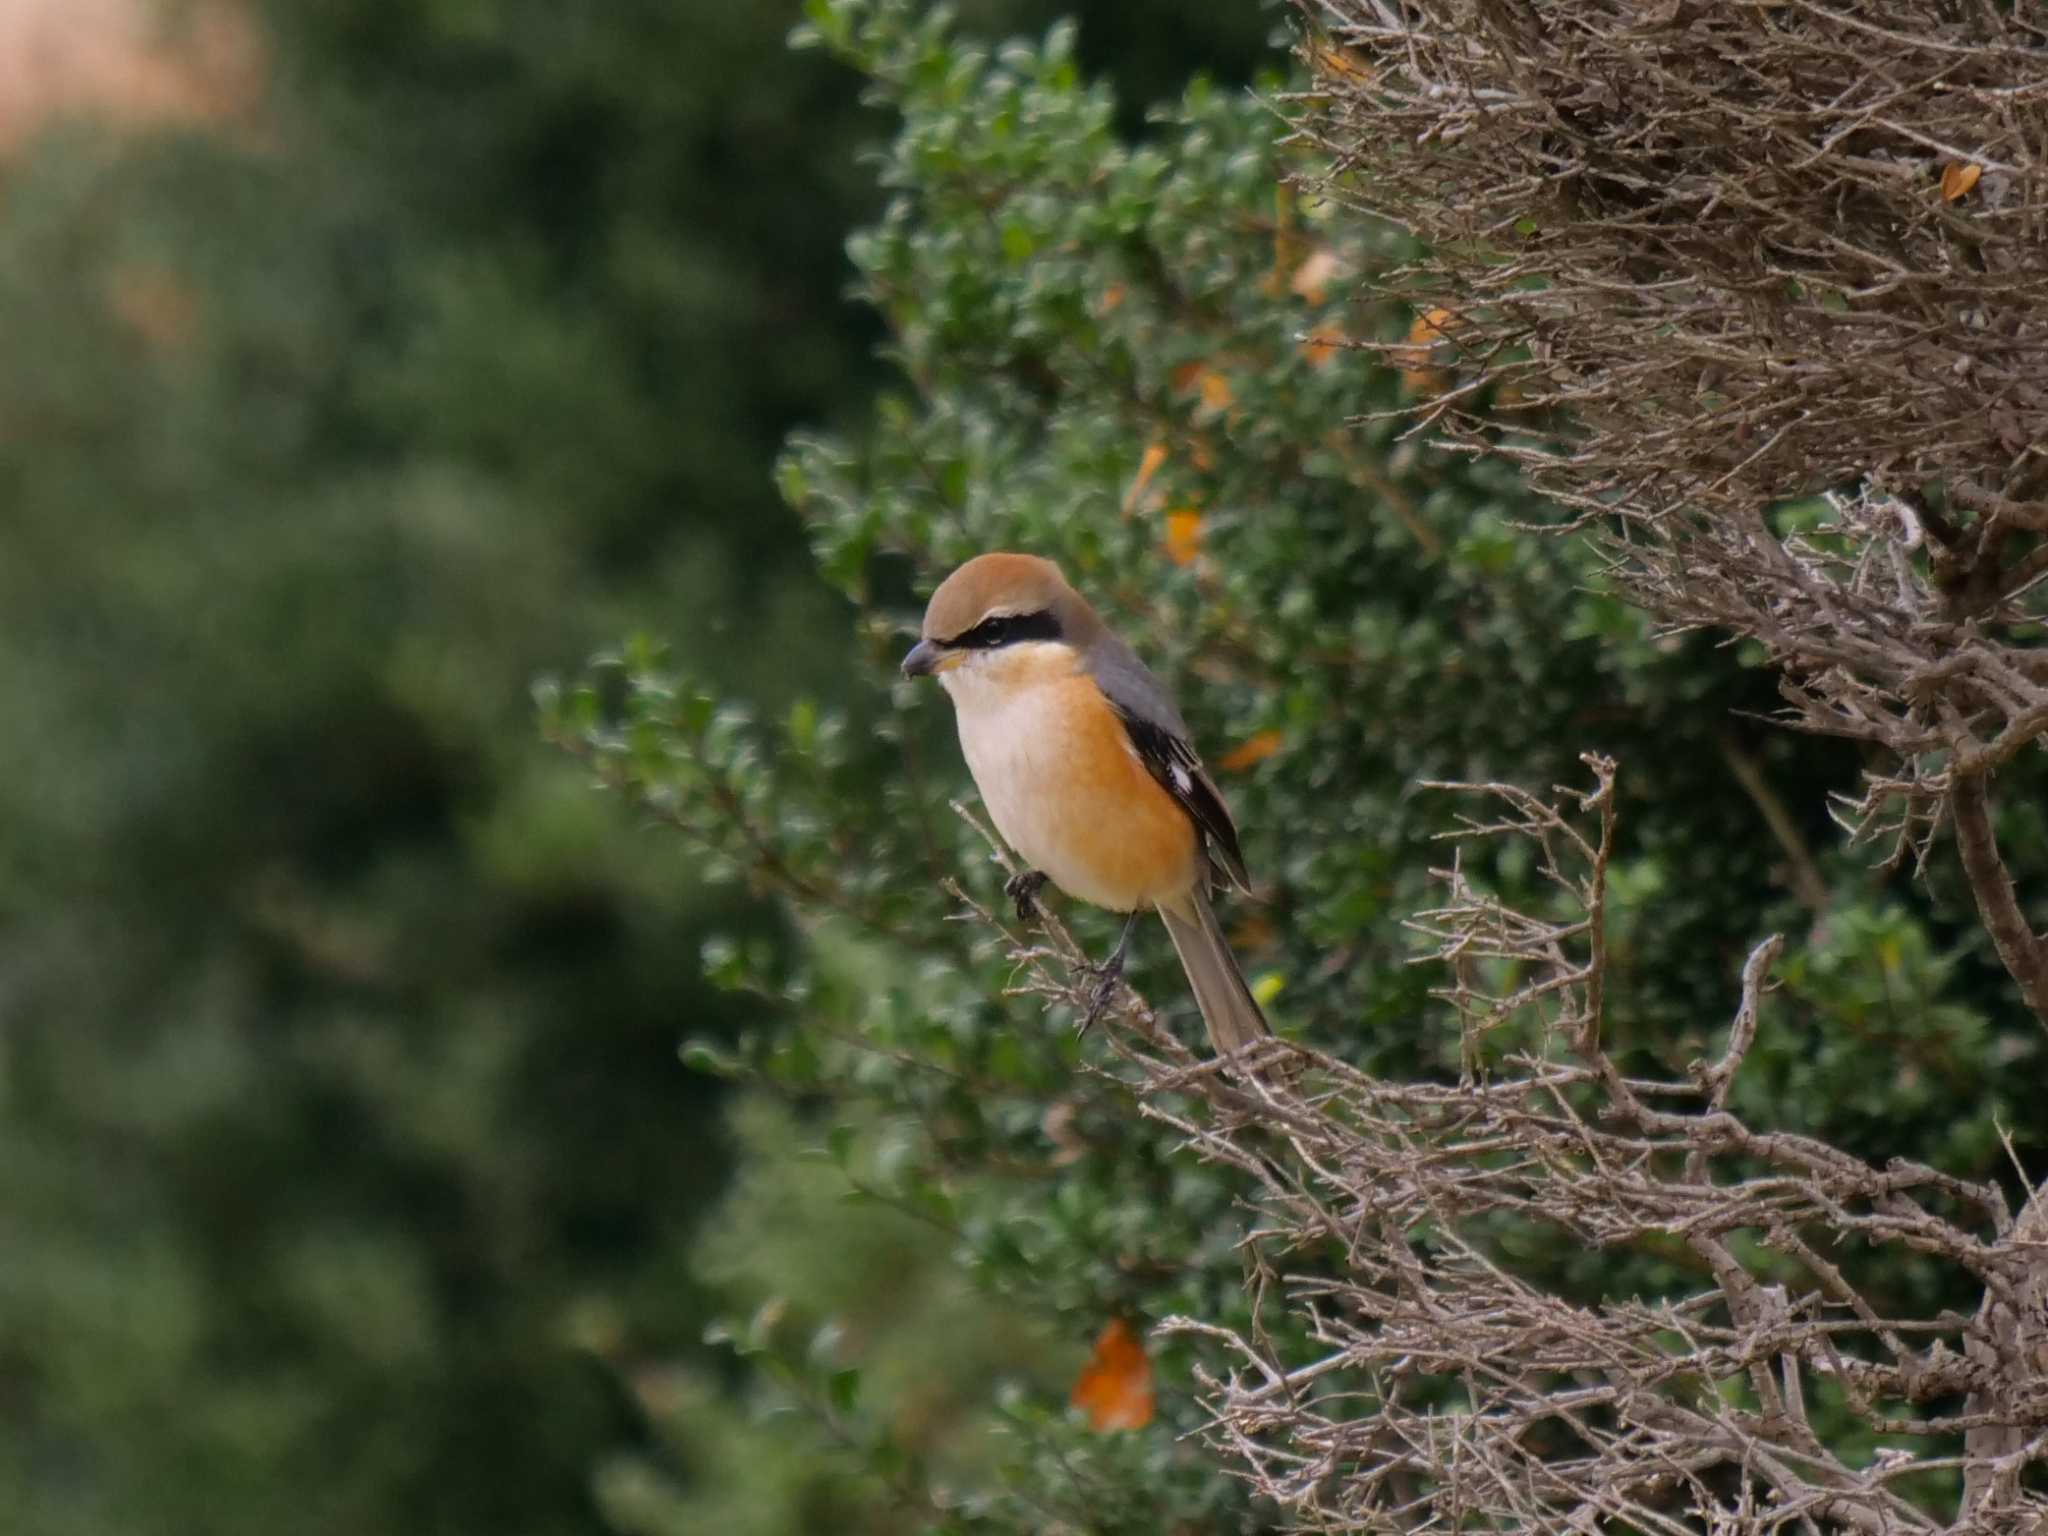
(1000, 629)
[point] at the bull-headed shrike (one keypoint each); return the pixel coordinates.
(1086, 769)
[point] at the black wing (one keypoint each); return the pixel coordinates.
(1170, 760)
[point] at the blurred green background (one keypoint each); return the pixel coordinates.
(366, 358)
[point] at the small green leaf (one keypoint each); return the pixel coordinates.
(1018, 243)
(702, 1056)
(842, 1388)
(839, 1144)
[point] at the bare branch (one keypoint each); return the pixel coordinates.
(1757, 294)
(1440, 1385)
(2019, 947)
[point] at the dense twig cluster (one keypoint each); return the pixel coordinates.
(1759, 293)
(1773, 1388)
(1714, 259)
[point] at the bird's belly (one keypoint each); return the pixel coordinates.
(1077, 804)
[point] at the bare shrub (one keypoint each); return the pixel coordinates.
(1444, 1390)
(1715, 259)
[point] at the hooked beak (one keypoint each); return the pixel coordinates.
(923, 660)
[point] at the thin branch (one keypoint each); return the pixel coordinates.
(1803, 874)
(2018, 946)
(1436, 1379)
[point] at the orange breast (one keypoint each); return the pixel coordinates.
(1066, 790)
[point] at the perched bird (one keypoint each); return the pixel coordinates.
(1085, 767)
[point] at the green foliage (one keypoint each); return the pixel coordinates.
(1061, 298)
(798, 1450)
(337, 1067)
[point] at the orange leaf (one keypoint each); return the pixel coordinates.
(1321, 345)
(1183, 535)
(1253, 933)
(1148, 466)
(1207, 382)
(1255, 748)
(1417, 376)
(1112, 296)
(1312, 277)
(1957, 178)
(1115, 1388)
(1338, 63)
(1069, 1145)
(1432, 325)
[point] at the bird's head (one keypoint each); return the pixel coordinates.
(990, 605)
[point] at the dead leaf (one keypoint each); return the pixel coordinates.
(1312, 277)
(1425, 382)
(1431, 328)
(1183, 535)
(1115, 1388)
(1069, 1145)
(1336, 63)
(1255, 748)
(1321, 345)
(1251, 934)
(1148, 466)
(1216, 391)
(1112, 297)
(1957, 178)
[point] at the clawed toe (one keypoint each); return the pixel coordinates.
(1104, 971)
(1106, 975)
(1023, 890)
(1103, 993)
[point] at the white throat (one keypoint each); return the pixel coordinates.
(990, 682)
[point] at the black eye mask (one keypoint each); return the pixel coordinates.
(1008, 629)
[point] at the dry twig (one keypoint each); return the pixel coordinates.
(1763, 289)
(1445, 1389)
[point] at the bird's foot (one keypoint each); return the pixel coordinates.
(1023, 890)
(1107, 975)
(1103, 993)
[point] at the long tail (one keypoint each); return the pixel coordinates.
(1227, 1005)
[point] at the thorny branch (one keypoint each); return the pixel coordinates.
(1445, 1389)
